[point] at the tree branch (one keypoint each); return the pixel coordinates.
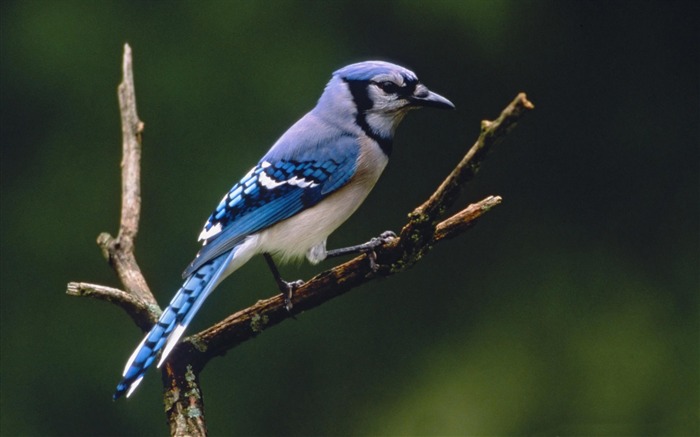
(132, 130)
(246, 324)
(145, 316)
(120, 251)
(419, 231)
(425, 227)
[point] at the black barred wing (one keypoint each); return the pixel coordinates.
(269, 193)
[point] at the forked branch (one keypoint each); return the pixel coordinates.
(426, 227)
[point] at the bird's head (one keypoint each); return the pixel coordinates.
(377, 95)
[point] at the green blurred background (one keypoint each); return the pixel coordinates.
(572, 309)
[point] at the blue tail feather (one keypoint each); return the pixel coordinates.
(172, 322)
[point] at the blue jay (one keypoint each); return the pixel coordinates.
(311, 180)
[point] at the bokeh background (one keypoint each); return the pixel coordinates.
(572, 309)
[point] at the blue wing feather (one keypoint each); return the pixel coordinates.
(274, 190)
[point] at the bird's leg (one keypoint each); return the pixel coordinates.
(287, 288)
(367, 248)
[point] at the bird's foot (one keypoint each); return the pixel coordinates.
(373, 244)
(288, 289)
(367, 248)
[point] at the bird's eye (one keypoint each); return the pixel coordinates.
(388, 87)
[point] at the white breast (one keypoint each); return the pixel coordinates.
(292, 238)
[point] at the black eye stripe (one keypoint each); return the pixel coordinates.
(390, 87)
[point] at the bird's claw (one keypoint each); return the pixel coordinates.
(383, 238)
(288, 292)
(386, 237)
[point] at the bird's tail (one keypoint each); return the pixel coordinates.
(172, 323)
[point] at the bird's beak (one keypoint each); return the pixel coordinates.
(424, 97)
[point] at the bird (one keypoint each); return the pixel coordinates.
(309, 182)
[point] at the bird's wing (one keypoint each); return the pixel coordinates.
(274, 190)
